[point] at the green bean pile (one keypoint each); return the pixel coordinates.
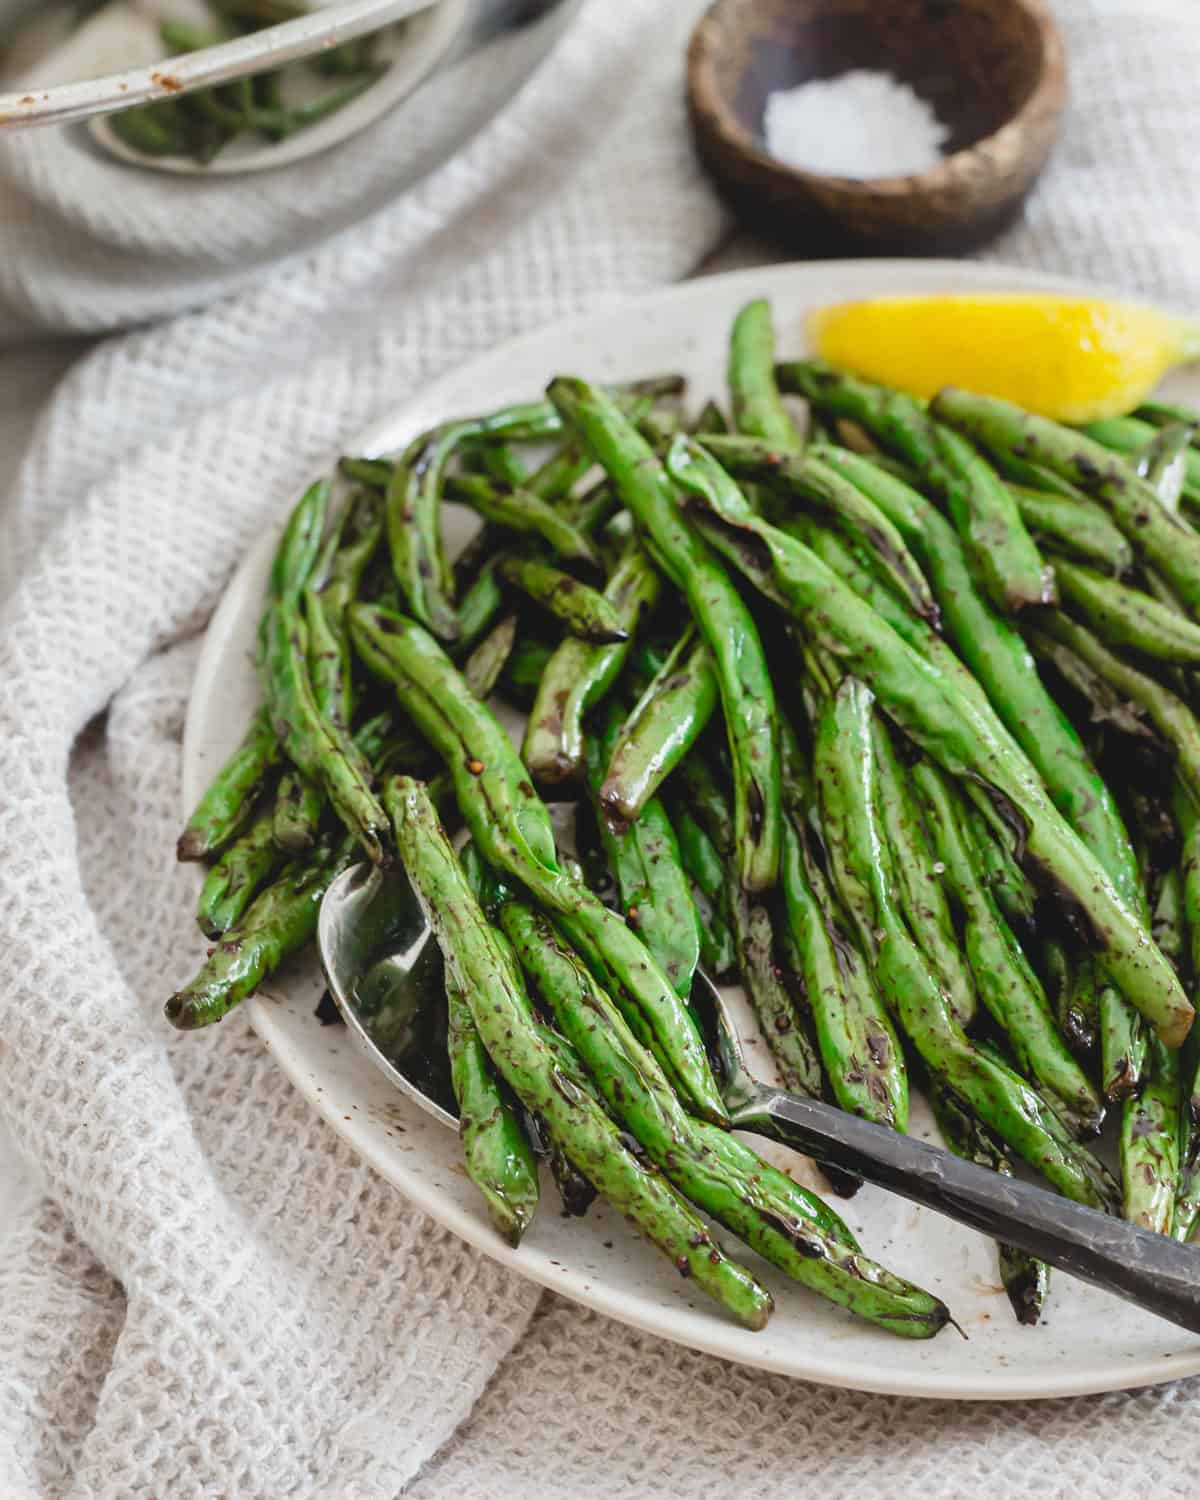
(200, 125)
(883, 708)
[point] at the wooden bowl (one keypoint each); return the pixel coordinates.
(993, 70)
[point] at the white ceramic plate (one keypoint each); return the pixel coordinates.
(1089, 1340)
(409, 54)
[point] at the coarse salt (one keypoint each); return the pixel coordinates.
(861, 124)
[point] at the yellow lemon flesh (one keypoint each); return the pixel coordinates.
(1076, 359)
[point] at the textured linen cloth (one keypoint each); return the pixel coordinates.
(90, 243)
(213, 1298)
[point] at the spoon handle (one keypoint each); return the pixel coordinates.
(1150, 1269)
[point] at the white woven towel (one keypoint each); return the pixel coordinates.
(215, 1299)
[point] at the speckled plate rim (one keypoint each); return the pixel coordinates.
(1119, 1348)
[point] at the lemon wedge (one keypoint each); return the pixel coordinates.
(1076, 359)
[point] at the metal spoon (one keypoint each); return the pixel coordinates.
(379, 957)
(382, 966)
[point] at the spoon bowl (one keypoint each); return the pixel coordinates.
(384, 972)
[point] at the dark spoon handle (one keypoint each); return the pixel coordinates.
(1150, 1269)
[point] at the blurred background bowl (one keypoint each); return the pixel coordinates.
(525, 28)
(486, 51)
(993, 71)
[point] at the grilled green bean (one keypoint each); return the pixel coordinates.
(662, 727)
(296, 817)
(857, 1043)
(696, 785)
(1013, 893)
(1170, 716)
(1187, 815)
(1035, 478)
(483, 668)
(518, 1049)
(496, 1154)
(920, 879)
(414, 496)
(1122, 1039)
(598, 1034)
(1150, 1144)
(331, 588)
(1187, 1201)
(480, 607)
(1001, 553)
(414, 538)
(349, 553)
(999, 658)
(1076, 528)
(1076, 992)
(1006, 983)
(955, 731)
(318, 748)
(1000, 661)
(578, 675)
(722, 617)
(1122, 616)
(1161, 539)
(861, 867)
(375, 473)
(460, 728)
(754, 936)
(514, 833)
(316, 743)
(1164, 463)
(156, 129)
(555, 479)
(1000, 549)
(710, 889)
(780, 1220)
(230, 797)
(579, 609)
(329, 663)
(758, 409)
(279, 921)
(1165, 413)
(1105, 704)
(1130, 437)
(231, 883)
(498, 460)
(854, 567)
(1169, 925)
(849, 509)
(1187, 1191)
(644, 858)
(521, 510)
(774, 1005)
(712, 418)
